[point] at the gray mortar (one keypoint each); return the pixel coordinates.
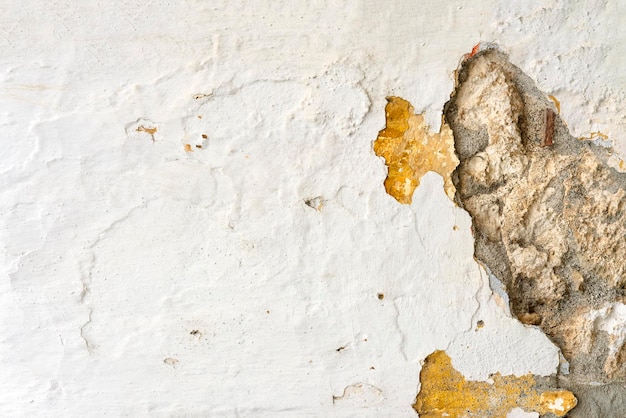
(605, 400)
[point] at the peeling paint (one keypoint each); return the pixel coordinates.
(360, 395)
(228, 238)
(445, 393)
(151, 130)
(411, 150)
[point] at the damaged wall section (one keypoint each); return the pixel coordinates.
(548, 215)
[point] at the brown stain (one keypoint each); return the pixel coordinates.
(188, 148)
(444, 392)
(411, 150)
(548, 136)
(474, 51)
(149, 130)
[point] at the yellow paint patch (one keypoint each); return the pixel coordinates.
(411, 150)
(445, 393)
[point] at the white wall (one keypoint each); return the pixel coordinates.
(115, 247)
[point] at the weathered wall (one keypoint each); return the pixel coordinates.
(194, 221)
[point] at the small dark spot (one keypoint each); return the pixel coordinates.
(194, 332)
(381, 296)
(199, 117)
(480, 324)
(204, 136)
(198, 146)
(372, 368)
(267, 311)
(316, 203)
(170, 361)
(343, 347)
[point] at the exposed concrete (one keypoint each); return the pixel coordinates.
(548, 220)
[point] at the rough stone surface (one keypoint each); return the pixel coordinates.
(549, 221)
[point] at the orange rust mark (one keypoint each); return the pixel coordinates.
(188, 148)
(149, 130)
(475, 50)
(411, 150)
(556, 102)
(444, 392)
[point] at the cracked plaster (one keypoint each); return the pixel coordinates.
(290, 96)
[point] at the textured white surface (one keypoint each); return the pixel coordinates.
(116, 248)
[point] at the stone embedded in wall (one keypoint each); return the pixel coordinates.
(444, 392)
(411, 150)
